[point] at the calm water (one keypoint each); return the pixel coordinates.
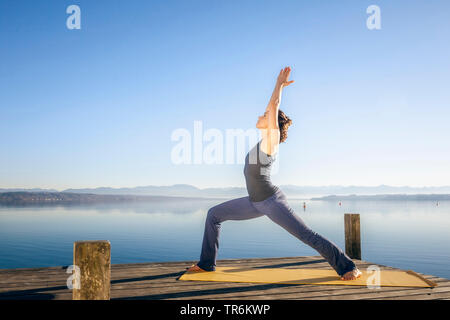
(409, 235)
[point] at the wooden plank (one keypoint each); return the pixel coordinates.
(159, 281)
(266, 289)
(253, 292)
(150, 288)
(438, 292)
(156, 276)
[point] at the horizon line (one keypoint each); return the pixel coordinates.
(228, 187)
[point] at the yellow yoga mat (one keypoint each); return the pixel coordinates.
(388, 278)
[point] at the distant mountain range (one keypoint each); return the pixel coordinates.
(301, 192)
(387, 197)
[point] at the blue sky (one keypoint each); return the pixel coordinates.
(97, 106)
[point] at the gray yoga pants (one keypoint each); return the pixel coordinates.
(279, 211)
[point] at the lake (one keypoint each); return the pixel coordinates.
(404, 234)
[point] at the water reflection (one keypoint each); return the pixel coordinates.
(405, 234)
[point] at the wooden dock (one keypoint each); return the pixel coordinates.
(159, 281)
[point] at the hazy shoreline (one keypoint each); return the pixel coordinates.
(386, 197)
(291, 191)
(22, 198)
(66, 198)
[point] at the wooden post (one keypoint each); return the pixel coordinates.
(93, 258)
(352, 235)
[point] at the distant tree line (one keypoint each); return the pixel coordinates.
(30, 198)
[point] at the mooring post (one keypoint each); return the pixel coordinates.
(352, 235)
(93, 258)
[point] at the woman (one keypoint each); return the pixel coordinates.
(266, 199)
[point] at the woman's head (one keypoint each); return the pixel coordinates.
(283, 123)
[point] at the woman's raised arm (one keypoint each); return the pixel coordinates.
(271, 138)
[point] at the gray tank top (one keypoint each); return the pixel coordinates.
(257, 174)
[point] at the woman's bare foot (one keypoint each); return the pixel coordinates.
(352, 275)
(195, 268)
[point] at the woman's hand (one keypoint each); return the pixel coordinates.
(283, 77)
